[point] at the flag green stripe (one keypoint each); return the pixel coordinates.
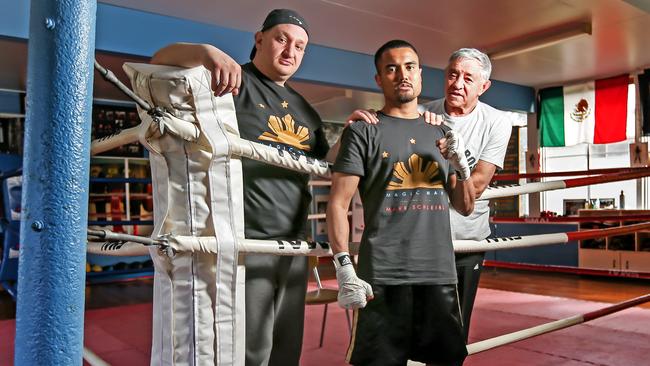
(551, 117)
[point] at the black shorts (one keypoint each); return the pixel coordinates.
(408, 322)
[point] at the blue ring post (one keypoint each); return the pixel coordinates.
(51, 274)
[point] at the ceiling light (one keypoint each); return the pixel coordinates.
(540, 40)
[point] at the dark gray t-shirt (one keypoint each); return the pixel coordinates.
(276, 200)
(407, 239)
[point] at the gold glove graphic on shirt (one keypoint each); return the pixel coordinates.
(418, 174)
(286, 131)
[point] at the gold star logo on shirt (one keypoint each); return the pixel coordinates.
(261, 105)
(412, 140)
(385, 154)
(285, 104)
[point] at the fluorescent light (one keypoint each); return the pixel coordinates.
(541, 40)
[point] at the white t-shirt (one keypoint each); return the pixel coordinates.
(486, 131)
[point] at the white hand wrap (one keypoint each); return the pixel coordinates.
(353, 291)
(456, 154)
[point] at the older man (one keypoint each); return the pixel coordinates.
(486, 132)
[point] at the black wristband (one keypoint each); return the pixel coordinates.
(342, 260)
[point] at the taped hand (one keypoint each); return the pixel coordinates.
(452, 148)
(354, 292)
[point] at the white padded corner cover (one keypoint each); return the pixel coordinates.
(197, 191)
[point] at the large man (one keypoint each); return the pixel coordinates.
(406, 262)
(486, 132)
(276, 200)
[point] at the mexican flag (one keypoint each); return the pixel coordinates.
(593, 112)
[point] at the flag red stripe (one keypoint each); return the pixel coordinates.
(611, 109)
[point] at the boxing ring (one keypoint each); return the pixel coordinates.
(195, 153)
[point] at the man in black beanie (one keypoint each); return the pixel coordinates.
(276, 201)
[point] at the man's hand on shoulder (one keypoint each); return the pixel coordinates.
(365, 115)
(433, 119)
(368, 116)
(226, 72)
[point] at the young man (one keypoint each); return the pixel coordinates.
(276, 201)
(406, 262)
(486, 132)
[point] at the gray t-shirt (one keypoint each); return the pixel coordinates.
(486, 131)
(407, 238)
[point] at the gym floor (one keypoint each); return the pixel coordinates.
(505, 303)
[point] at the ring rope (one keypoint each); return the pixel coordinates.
(270, 155)
(533, 220)
(517, 176)
(487, 344)
(124, 245)
(117, 243)
(537, 187)
(110, 142)
(92, 359)
(464, 246)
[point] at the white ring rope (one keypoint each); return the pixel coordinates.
(170, 245)
(537, 187)
(118, 249)
(510, 242)
(522, 334)
(519, 189)
(238, 147)
(463, 246)
(487, 344)
(127, 136)
(92, 359)
(276, 157)
(124, 245)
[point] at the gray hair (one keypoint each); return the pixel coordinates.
(474, 54)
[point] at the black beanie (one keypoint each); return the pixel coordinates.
(281, 16)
